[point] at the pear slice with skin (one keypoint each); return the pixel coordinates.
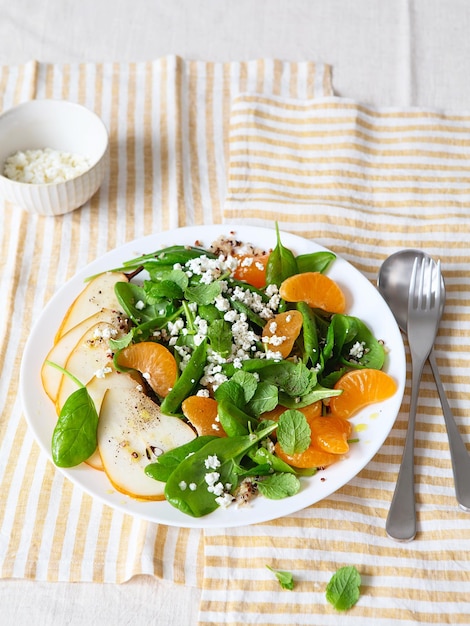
(50, 376)
(97, 388)
(90, 357)
(98, 294)
(133, 432)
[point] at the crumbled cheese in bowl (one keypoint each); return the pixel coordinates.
(42, 166)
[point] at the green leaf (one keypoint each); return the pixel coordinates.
(315, 261)
(286, 580)
(281, 263)
(74, 438)
(278, 486)
(169, 461)
(247, 381)
(203, 294)
(231, 392)
(293, 432)
(220, 337)
(264, 399)
(292, 378)
(343, 590)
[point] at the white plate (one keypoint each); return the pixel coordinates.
(374, 423)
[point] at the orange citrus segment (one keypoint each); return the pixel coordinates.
(360, 388)
(281, 331)
(331, 433)
(317, 290)
(252, 269)
(155, 362)
(201, 412)
(313, 456)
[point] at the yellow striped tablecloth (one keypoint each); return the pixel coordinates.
(364, 182)
(270, 138)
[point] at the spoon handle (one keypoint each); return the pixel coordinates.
(401, 519)
(458, 451)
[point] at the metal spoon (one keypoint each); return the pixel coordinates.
(393, 283)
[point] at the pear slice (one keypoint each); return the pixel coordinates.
(60, 352)
(98, 294)
(90, 357)
(97, 388)
(133, 432)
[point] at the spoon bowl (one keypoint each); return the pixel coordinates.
(394, 283)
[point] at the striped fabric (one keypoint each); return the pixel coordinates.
(168, 123)
(364, 182)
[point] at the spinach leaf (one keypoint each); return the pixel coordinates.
(293, 433)
(234, 420)
(343, 590)
(168, 461)
(315, 261)
(228, 451)
(281, 263)
(74, 438)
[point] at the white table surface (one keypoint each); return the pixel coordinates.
(400, 52)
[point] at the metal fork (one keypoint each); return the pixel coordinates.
(424, 314)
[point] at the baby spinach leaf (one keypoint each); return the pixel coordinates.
(343, 590)
(315, 261)
(74, 438)
(281, 263)
(286, 580)
(318, 392)
(293, 433)
(278, 486)
(234, 420)
(193, 470)
(167, 289)
(262, 455)
(168, 461)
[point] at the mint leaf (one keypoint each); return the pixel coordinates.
(343, 589)
(293, 432)
(278, 486)
(286, 580)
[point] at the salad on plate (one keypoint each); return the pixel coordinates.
(207, 377)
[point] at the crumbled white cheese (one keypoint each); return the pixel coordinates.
(44, 166)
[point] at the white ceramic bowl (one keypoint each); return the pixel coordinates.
(59, 125)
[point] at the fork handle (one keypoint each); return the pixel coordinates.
(458, 452)
(401, 519)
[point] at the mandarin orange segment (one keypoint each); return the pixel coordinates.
(316, 289)
(252, 269)
(360, 388)
(155, 362)
(313, 456)
(280, 332)
(201, 412)
(331, 433)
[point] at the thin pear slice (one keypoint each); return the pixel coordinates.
(98, 294)
(97, 388)
(133, 432)
(60, 352)
(91, 357)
